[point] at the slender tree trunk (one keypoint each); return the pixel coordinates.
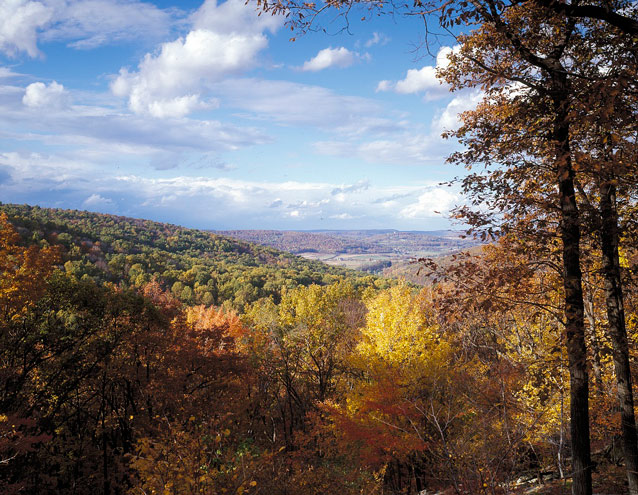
(596, 363)
(617, 328)
(574, 306)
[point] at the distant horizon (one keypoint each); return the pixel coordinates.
(184, 225)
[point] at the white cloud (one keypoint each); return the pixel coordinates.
(432, 203)
(225, 40)
(105, 132)
(39, 95)
(211, 202)
(234, 16)
(87, 24)
(385, 86)
(422, 80)
(6, 73)
(330, 57)
(342, 216)
(289, 103)
(97, 201)
(448, 119)
(408, 145)
(20, 21)
(81, 23)
(168, 85)
(407, 148)
(377, 39)
(33, 172)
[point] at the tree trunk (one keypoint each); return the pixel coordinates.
(572, 280)
(617, 328)
(596, 363)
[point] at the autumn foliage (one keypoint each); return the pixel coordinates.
(460, 387)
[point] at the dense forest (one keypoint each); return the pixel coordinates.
(143, 358)
(196, 266)
(112, 380)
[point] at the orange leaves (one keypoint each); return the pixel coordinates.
(24, 271)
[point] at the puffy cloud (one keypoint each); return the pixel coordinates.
(422, 80)
(20, 21)
(431, 203)
(168, 85)
(39, 95)
(448, 119)
(225, 40)
(234, 16)
(330, 57)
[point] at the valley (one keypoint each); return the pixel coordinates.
(366, 250)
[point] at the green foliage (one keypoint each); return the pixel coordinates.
(199, 267)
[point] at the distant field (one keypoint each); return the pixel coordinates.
(369, 250)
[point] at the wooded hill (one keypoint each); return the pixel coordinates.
(197, 266)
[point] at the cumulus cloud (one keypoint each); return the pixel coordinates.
(330, 57)
(81, 23)
(168, 84)
(20, 21)
(225, 40)
(448, 119)
(430, 204)
(38, 95)
(422, 80)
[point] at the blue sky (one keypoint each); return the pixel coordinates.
(206, 115)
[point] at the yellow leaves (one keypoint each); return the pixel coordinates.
(399, 335)
(24, 271)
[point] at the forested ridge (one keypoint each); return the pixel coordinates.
(198, 267)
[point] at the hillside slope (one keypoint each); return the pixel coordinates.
(198, 266)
